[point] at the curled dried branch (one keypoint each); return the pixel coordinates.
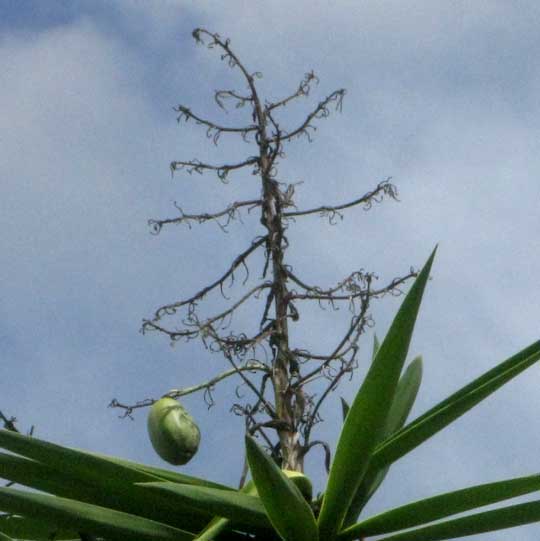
(220, 97)
(303, 90)
(327, 452)
(384, 188)
(213, 130)
(230, 213)
(353, 287)
(222, 315)
(171, 309)
(259, 393)
(222, 171)
(177, 393)
(321, 111)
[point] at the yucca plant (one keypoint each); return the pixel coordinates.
(86, 495)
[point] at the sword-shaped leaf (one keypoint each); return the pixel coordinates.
(85, 466)
(344, 408)
(376, 346)
(130, 499)
(441, 506)
(30, 473)
(488, 521)
(241, 508)
(163, 473)
(4, 537)
(92, 466)
(91, 519)
(35, 530)
(218, 524)
(406, 393)
(286, 507)
(447, 411)
(368, 415)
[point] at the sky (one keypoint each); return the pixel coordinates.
(441, 96)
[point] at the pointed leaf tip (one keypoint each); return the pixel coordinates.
(344, 408)
(367, 417)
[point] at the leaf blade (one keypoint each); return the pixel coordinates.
(35, 530)
(344, 408)
(285, 506)
(488, 521)
(447, 411)
(66, 513)
(241, 508)
(441, 506)
(121, 496)
(404, 399)
(368, 414)
(218, 524)
(163, 473)
(84, 465)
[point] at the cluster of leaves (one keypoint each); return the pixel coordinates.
(93, 495)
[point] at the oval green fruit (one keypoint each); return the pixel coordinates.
(174, 434)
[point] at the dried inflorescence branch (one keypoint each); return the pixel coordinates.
(321, 111)
(207, 387)
(384, 188)
(222, 171)
(304, 89)
(277, 376)
(213, 130)
(230, 213)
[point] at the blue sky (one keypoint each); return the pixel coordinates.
(443, 97)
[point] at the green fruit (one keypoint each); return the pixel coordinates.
(174, 434)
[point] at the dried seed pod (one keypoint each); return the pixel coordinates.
(174, 434)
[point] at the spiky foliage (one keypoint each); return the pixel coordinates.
(85, 495)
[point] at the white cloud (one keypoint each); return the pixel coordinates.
(443, 98)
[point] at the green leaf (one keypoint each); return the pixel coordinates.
(119, 494)
(367, 417)
(453, 407)
(218, 524)
(163, 473)
(4, 537)
(236, 506)
(406, 393)
(41, 477)
(285, 506)
(376, 346)
(344, 408)
(213, 529)
(488, 521)
(443, 505)
(92, 465)
(28, 528)
(79, 463)
(91, 519)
